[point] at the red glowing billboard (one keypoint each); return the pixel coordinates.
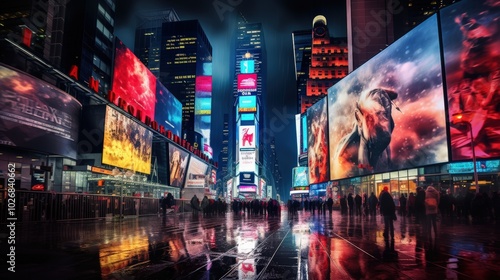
(133, 82)
(389, 114)
(247, 82)
(471, 44)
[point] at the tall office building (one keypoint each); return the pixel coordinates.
(186, 70)
(302, 44)
(326, 62)
(77, 44)
(249, 88)
(148, 41)
(373, 25)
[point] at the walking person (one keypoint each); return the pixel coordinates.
(402, 205)
(388, 211)
(195, 205)
(431, 211)
(372, 204)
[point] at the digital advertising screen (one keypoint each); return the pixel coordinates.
(247, 188)
(177, 164)
(471, 44)
(247, 104)
(247, 66)
(300, 176)
(203, 86)
(126, 143)
(133, 82)
(247, 82)
(247, 136)
(168, 110)
(36, 115)
(203, 106)
(303, 121)
(317, 124)
(389, 114)
(247, 160)
(196, 173)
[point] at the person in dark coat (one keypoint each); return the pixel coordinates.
(350, 203)
(420, 206)
(388, 211)
(372, 204)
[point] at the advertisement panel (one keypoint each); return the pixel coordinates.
(126, 143)
(203, 86)
(35, 115)
(247, 188)
(304, 133)
(247, 178)
(389, 114)
(471, 40)
(262, 188)
(247, 104)
(247, 82)
(247, 161)
(178, 159)
(168, 110)
(196, 173)
(300, 176)
(317, 123)
(133, 82)
(247, 66)
(247, 134)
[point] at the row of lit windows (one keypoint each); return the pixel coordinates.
(185, 77)
(104, 30)
(185, 62)
(106, 15)
(102, 65)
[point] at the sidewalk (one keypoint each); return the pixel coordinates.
(182, 246)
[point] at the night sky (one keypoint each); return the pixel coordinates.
(279, 19)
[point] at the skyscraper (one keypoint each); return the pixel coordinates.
(186, 70)
(249, 90)
(148, 37)
(326, 65)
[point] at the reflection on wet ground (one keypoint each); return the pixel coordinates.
(303, 246)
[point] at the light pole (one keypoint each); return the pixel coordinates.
(459, 119)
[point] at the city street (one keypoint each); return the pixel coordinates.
(303, 246)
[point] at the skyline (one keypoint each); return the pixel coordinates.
(279, 19)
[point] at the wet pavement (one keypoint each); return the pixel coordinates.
(305, 246)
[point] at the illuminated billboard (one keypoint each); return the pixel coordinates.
(168, 110)
(303, 124)
(247, 66)
(178, 159)
(389, 114)
(247, 136)
(35, 115)
(126, 143)
(247, 188)
(196, 174)
(133, 82)
(203, 106)
(247, 82)
(300, 176)
(247, 104)
(203, 86)
(317, 123)
(471, 40)
(247, 160)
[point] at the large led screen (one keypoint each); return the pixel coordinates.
(35, 115)
(126, 143)
(389, 113)
(196, 174)
(471, 47)
(133, 82)
(300, 176)
(247, 134)
(168, 110)
(178, 160)
(247, 104)
(317, 141)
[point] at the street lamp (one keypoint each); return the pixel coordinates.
(459, 119)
